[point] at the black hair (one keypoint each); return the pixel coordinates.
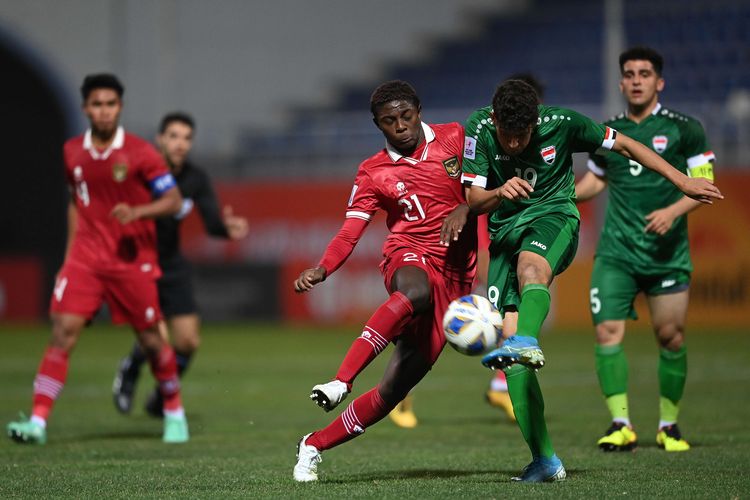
(176, 116)
(515, 106)
(642, 54)
(101, 81)
(532, 80)
(393, 90)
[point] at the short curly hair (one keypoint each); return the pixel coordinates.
(515, 106)
(393, 90)
(101, 81)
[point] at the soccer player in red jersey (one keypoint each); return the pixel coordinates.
(119, 183)
(430, 259)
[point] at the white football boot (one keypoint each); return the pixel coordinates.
(328, 396)
(308, 458)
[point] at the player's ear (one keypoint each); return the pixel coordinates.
(660, 84)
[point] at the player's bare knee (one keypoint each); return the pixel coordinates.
(419, 296)
(151, 341)
(609, 333)
(65, 332)
(670, 337)
(187, 343)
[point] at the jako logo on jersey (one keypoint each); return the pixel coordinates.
(470, 148)
(540, 245)
(548, 155)
(452, 167)
(660, 143)
(502, 157)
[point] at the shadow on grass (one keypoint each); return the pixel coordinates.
(493, 475)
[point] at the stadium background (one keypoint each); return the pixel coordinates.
(280, 93)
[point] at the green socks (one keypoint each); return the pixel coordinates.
(528, 405)
(533, 309)
(672, 376)
(612, 371)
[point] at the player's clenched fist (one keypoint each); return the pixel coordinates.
(309, 278)
(514, 189)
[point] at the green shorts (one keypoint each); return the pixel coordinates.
(553, 236)
(614, 286)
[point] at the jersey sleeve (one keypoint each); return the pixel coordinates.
(475, 165)
(208, 206)
(700, 158)
(155, 172)
(587, 136)
(363, 200)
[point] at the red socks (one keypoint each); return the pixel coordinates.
(385, 324)
(49, 381)
(164, 368)
(361, 413)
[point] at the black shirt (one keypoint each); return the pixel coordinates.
(196, 190)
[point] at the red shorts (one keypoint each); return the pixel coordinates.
(427, 329)
(131, 295)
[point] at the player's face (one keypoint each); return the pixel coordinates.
(514, 143)
(401, 124)
(102, 108)
(176, 142)
(640, 84)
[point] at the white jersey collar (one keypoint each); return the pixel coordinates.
(117, 143)
(429, 136)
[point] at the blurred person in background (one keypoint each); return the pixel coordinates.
(429, 260)
(176, 295)
(644, 247)
(518, 167)
(119, 183)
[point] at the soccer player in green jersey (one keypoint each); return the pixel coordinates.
(518, 167)
(643, 247)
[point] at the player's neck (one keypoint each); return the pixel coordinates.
(640, 113)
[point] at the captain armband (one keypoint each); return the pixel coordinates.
(702, 165)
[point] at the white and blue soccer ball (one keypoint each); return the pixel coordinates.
(472, 325)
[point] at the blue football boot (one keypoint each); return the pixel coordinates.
(543, 470)
(515, 350)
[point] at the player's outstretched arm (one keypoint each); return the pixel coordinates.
(589, 186)
(338, 250)
(699, 189)
(482, 201)
(169, 203)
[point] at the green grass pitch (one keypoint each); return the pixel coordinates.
(247, 402)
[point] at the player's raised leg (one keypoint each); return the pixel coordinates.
(668, 314)
(405, 369)
(50, 379)
(410, 295)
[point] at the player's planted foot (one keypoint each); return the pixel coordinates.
(619, 437)
(329, 395)
(669, 438)
(155, 404)
(516, 350)
(175, 429)
(308, 458)
(123, 387)
(27, 432)
(501, 399)
(543, 470)
(403, 414)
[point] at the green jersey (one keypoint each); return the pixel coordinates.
(635, 192)
(546, 163)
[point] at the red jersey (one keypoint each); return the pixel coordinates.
(130, 171)
(417, 194)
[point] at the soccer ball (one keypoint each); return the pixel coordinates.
(472, 325)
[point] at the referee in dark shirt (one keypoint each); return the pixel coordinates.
(176, 297)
